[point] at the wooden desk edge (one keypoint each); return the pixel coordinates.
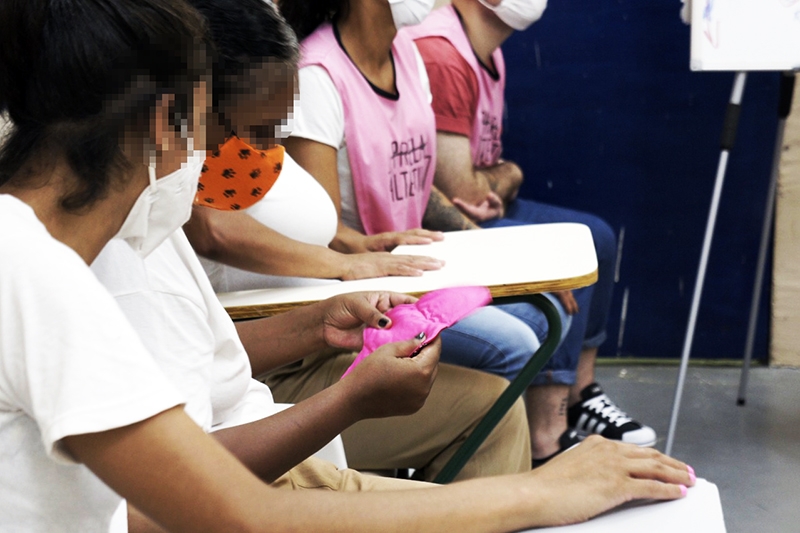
(244, 312)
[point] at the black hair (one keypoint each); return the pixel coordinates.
(245, 34)
(76, 75)
(305, 16)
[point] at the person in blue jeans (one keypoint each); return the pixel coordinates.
(365, 132)
(460, 46)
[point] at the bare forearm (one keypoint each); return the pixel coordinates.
(442, 215)
(482, 506)
(285, 338)
(139, 523)
(271, 446)
(167, 467)
(238, 240)
(349, 241)
(505, 179)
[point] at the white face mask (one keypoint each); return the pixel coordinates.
(518, 14)
(163, 207)
(409, 12)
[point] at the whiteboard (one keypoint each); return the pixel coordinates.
(745, 35)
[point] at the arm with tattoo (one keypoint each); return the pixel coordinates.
(442, 215)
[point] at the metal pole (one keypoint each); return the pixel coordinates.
(727, 141)
(784, 108)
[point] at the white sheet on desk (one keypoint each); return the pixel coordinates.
(699, 511)
(490, 257)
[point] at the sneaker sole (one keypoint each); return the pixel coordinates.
(647, 438)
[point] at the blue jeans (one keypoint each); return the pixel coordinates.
(499, 339)
(588, 329)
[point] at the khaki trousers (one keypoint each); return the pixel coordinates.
(426, 440)
(316, 474)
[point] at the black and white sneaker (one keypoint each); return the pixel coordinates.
(568, 439)
(596, 413)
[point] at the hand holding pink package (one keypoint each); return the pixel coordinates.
(430, 314)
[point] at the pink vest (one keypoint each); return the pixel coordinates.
(487, 128)
(391, 144)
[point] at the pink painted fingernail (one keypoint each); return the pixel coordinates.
(684, 491)
(692, 475)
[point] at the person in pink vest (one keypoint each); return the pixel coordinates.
(365, 129)
(460, 45)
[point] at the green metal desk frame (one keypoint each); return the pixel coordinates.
(514, 390)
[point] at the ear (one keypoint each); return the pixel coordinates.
(162, 133)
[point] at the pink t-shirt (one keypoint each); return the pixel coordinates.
(459, 80)
(390, 140)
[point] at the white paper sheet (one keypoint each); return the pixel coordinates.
(699, 512)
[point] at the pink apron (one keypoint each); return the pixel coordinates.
(391, 143)
(485, 141)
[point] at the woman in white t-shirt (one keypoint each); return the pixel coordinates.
(103, 97)
(86, 415)
(283, 240)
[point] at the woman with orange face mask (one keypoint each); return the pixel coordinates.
(273, 241)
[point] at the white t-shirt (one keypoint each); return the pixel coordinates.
(320, 117)
(70, 364)
(296, 206)
(169, 300)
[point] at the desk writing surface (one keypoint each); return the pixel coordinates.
(510, 261)
(700, 511)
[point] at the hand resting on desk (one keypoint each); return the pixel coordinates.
(599, 475)
(368, 265)
(350, 241)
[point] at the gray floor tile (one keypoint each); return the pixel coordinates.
(752, 453)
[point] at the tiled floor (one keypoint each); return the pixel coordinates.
(752, 453)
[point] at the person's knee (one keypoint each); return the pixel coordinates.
(605, 240)
(512, 438)
(492, 340)
(492, 386)
(519, 347)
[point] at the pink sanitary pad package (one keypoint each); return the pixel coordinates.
(430, 314)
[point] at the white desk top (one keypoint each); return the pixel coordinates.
(699, 511)
(510, 261)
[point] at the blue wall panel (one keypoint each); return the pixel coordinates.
(605, 116)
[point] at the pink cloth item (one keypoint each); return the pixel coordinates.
(430, 314)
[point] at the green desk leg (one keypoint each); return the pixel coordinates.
(514, 390)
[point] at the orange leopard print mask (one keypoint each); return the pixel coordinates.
(236, 175)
